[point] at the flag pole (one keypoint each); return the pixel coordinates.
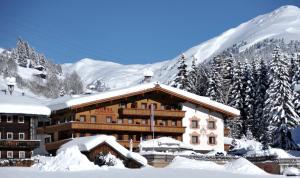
(152, 125)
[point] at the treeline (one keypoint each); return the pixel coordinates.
(48, 79)
(264, 90)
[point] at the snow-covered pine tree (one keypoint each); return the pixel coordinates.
(247, 113)
(181, 78)
(235, 99)
(197, 79)
(214, 90)
(295, 75)
(62, 92)
(227, 75)
(279, 105)
(260, 76)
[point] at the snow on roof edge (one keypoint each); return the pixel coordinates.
(59, 104)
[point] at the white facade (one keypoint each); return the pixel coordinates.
(203, 132)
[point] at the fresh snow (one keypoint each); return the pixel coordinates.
(239, 166)
(67, 101)
(89, 142)
(283, 22)
(17, 172)
(70, 159)
(16, 103)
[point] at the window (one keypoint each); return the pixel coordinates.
(154, 106)
(108, 119)
(9, 119)
(130, 121)
(122, 105)
(164, 123)
(194, 124)
(21, 136)
(21, 119)
(162, 107)
(195, 139)
(9, 136)
(211, 125)
(10, 154)
(93, 119)
(212, 140)
(144, 106)
(21, 154)
(120, 121)
(82, 118)
(173, 123)
(144, 121)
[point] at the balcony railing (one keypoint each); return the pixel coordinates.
(30, 144)
(110, 127)
(147, 112)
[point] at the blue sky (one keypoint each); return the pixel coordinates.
(123, 31)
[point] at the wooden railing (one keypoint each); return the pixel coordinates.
(30, 144)
(147, 112)
(125, 127)
(110, 127)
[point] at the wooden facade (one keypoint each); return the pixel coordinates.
(125, 118)
(17, 135)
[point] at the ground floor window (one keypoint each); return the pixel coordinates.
(21, 154)
(10, 154)
(195, 139)
(9, 136)
(212, 140)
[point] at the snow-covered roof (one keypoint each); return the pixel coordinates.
(164, 142)
(90, 142)
(16, 103)
(67, 102)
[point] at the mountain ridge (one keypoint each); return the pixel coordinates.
(283, 22)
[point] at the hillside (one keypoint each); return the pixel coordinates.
(283, 22)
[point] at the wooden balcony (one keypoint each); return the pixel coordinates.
(147, 112)
(110, 127)
(17, 144)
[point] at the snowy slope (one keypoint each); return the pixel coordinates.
(283, 22)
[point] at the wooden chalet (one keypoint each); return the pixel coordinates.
(19, 116)
(124, 114)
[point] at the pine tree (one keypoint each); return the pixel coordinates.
(235, 99)
(62, 92)
(247, 113)
(260, 127)
(279, 104)
(197, 79)
(181, 78)
(214, 90)
(227, 76)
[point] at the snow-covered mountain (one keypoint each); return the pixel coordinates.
(283, 22)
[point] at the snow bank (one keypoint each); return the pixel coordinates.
(243, 166)
(185, 163)
(291, 171)
(240, 166)
(70, 159)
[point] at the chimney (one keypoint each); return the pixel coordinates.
(148, 74)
